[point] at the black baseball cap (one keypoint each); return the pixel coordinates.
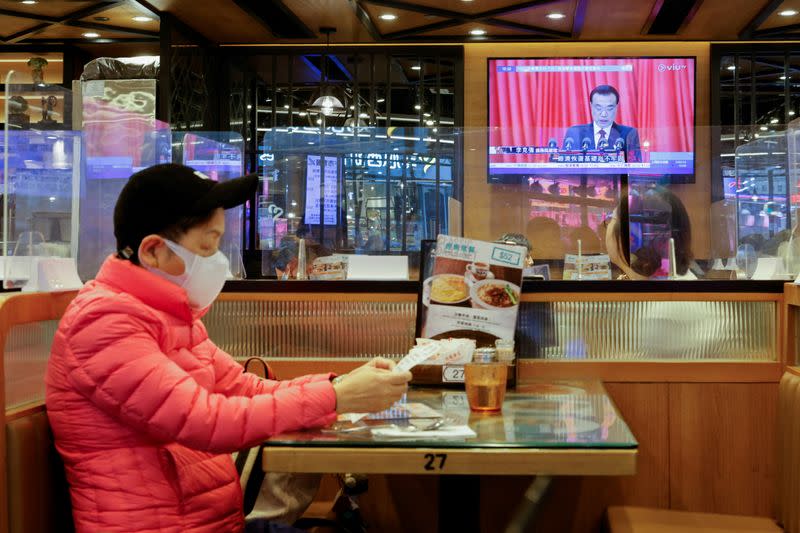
(158, 197)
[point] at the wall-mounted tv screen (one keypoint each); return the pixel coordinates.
(579, 116)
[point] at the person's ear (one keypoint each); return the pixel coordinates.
(152, 250)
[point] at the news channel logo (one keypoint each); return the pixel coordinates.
(664, 67)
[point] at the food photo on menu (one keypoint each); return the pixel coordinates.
(474, 290)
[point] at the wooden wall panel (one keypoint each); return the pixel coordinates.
(577, 504)
(722, 447)
(398, 504)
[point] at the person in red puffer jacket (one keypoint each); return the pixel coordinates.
(144, 408)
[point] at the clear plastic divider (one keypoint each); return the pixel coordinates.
(42, 169)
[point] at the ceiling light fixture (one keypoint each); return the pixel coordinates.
(732, 67)
(29, 2)
(774, 121)
(788, 13)
(556, 16)
(328, 100)
(791, 113)
(477, 32)
(142, 19)
(91, 35)
(388, 16)
(416, 67)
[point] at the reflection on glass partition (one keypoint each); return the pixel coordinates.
(366, 191)
(119, 126)
(41, 172)
(759, 192)
(109, 166)
(217, 155)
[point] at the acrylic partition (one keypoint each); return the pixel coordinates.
(355, 192)
(216, 155)
(646, 201)
(42, 172)
(765, 210)
(117, 118)
(220, 156)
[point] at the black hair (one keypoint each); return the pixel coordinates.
(647, 259)
(172, 232)
(603, 90)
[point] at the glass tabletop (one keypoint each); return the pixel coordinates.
(564, 414)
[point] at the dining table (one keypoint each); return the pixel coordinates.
(545, 429)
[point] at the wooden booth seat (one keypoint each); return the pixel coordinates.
(625, 519)
(38, 494)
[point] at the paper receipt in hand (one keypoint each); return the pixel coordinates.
(417, 355)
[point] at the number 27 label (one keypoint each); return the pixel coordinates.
(435, 461)
(453, 374)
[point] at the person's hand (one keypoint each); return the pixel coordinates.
(369, 388)
(377, 362)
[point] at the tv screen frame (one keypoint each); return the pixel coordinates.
(663, 178)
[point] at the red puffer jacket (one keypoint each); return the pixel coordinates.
(145, 409)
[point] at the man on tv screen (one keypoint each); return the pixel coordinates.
(603, 133)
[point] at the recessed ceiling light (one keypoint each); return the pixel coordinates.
(477, 32)
(774, 121)
(732, 67)
(29, 2)
(417, 107)
(91, 35)
(783, 77)
(788, 13)
(416, 67)
(763, 128)
(791, 113)
(388, 16)
(381, 100)
(142, 19)
(556, 16)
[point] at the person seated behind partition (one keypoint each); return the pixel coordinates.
(144, 408)
(590, 242)
(647, 260)
(544, 234)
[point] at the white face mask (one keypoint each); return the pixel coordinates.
(202, 278)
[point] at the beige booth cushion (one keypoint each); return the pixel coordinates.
(646, 520)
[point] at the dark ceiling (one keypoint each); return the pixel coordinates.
(89, 23)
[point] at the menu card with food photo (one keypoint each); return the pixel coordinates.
(473, 292)
(330, 267)
(586, 267)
